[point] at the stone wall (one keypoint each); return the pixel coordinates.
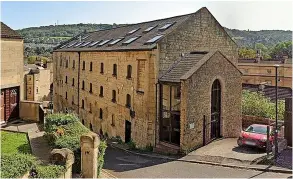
(201, 32)
(249, 120)
(114, 113)
(288, 120)
(30, 111)
(12, 64)
(196, 101)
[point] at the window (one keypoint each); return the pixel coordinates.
(85, 37)
(101, 113)
(130, 40)
(113, 120)
(129, 71)
(166, 26)
(82, 121)
(78, 44)
(113, 96)
(101, 91)
(73, 64)
(115, 41)
(153, 40)
(82, 86)
(91, 66)
(94, 43)
(114, 69)
(72, 102)
(37, 90)
(83, 65)
(91, 127)
(85, 44)
(66, 79)
(90, 111)
(128, 101)
(91, 88)
(132, 31)
(177, 92)
(103, 43)
(102, 68)
(66, 65)
(61, 61)
(82, 104)
(71, 44)
(72, 81)
(65, 95)
(149, 29)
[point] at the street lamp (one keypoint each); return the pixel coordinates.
(276, 125)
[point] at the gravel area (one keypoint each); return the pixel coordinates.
(285, 159)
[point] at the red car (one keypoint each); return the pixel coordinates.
(255, 135)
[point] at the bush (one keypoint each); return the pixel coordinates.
(256, 104)
(52, 121)
(16, 165)
(102, 149)
(49, 171)
(131, 144)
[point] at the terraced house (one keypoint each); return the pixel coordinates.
(170, 83)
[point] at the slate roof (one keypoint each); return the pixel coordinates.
(7, 32)
(182, 66)
(115, 33)
(269, 91)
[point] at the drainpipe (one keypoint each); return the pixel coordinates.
(156, 114)
(78, 77)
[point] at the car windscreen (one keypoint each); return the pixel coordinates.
(257, 129)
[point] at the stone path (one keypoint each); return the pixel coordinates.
(39, 146)
(285, 158)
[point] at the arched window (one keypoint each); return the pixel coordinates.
(101, 91)
(82, 104)
(102, 68)
(128, 101)
(101, 113)
(215, 109)
(114, 69)
(129, 71)
(83, 65)
(91, 66)
(113, 96)
(82, 86)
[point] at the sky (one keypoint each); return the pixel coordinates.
(243, 15)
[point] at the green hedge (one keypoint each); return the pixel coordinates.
(256, 104)
(49, 171)
(64, 131)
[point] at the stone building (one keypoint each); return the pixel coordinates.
(11, 72)
(153, 82)
(257, 71)
(37, 83)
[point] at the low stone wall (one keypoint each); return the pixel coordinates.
(30, 111)
(248, 120)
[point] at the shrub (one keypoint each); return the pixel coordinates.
(102, 149)
(49, 171)
(16, 165)
(256, 104)
(131, 144)
(52, 121)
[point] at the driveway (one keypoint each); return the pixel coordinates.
(125, 165)
(226, 151)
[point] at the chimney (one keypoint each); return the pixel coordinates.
(258, 56)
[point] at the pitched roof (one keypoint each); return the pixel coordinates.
(7, 32)
(269, 91)
(123, 33)
(182, 66)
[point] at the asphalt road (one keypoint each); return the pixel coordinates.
(124, 165)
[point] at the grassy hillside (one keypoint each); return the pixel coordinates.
(46, 37)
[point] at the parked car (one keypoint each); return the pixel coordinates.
(255, 135)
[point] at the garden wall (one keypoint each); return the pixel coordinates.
(247, 120)
(31, 111)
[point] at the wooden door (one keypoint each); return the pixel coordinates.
(11, 98)
(2, 106)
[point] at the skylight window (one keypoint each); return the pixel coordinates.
(166, 26)
(132, 31)
(85, 37)
(63, 46)
(149, 28)
(116, 41)
(71, 44)
(130, 40)
(78, 44)
(94, 43)
(85, 44)
(156, 38)
(103, 42)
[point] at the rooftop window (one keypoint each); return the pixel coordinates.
(130, 40)
(103, 42)
(156, 38)
(78, 44)
(71, 44)
(166, 26)
(85, 44)
(63, 46)
(150, 28)
(115, 41)
(85, 37)
(132, 31)
(94, 43)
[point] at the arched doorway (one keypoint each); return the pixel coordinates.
(216, 109)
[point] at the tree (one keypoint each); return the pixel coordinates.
(281, 49)
(263, 49)
(247, 53)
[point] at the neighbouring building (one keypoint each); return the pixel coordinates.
(154, 82)
(11, 72)
(37, 83)
(258, 71)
